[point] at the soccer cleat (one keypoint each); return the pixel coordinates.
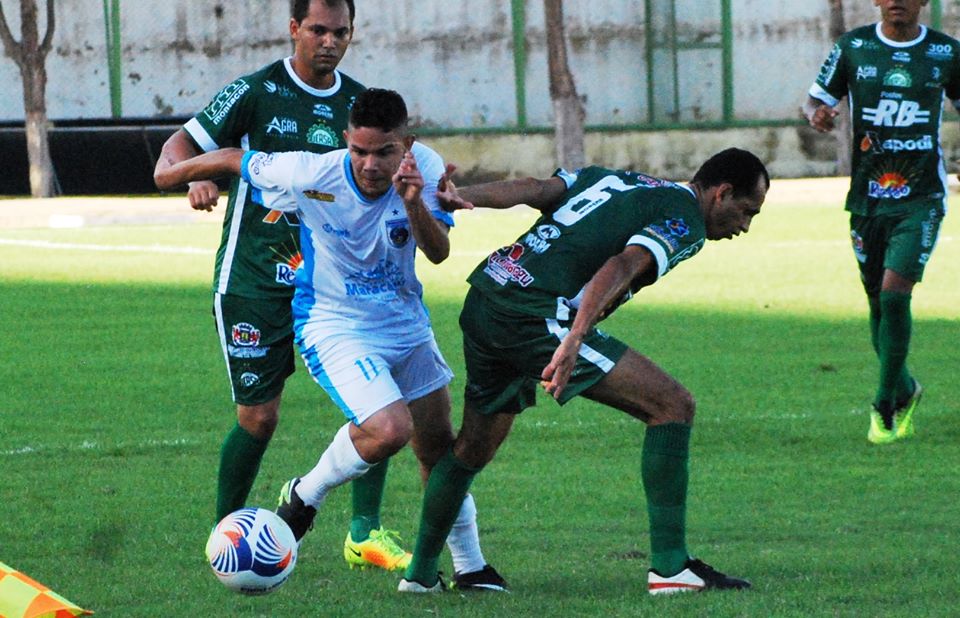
(486, 579)
(696, 576)
(903, 415)
(379, 550)
(412, 585)
(292, 510)
(878, 432)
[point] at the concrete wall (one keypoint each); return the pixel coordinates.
(454, 62)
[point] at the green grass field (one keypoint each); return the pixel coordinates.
(115, 402)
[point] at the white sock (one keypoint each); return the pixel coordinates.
(464, 539)
(339, 464)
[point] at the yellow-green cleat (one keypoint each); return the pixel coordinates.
(878, 433)
(380, 549)
(903, 415)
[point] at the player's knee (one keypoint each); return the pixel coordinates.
(681, 408)
(473, 453)
(259, 421)
(395, 434)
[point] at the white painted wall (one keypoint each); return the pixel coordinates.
(452, 60)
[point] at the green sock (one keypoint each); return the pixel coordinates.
(893, 342)
(367, 497)
(240, 458)
(874, 302)
(666, 451)
(446, 488)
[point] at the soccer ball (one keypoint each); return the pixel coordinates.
(252, 551)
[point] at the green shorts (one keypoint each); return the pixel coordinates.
(256, 336)
(901, 243)
(505, 353)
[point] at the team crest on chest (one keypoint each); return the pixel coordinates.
(322, 135)
(397, 232)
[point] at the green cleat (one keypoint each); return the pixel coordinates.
(878, 433)
(903, 415)
(379, 550)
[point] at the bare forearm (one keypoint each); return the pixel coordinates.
(431, 235)
(539, 194)
(203, 167)
(177, 148)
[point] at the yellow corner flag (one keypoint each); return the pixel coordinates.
(21, 597)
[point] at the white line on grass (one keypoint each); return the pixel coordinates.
(87, 445)
(69, 246)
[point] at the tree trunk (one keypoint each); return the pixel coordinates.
(842, 132)
(38, 153)
(568, 112)
(30, 55)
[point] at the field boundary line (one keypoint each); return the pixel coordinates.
(70, 246)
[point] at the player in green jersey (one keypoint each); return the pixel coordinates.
(530, 316)
(895, 74)
(296, 103)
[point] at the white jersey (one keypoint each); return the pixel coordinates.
(357, 277)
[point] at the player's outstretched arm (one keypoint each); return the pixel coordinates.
(604, 289)
(819, 114)
(541, 194)
(204, 167)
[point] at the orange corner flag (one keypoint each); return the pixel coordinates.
(22, 597)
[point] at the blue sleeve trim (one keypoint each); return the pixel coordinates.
(568, 178)
(243, 165)
(444, 217)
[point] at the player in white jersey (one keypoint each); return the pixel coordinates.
(359, 319)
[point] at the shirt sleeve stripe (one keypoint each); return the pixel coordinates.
(658, 252)
(817, 92)
(200, 135)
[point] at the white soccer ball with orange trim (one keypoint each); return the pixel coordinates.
(252, 551)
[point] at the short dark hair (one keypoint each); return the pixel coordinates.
(300, 8)
(741, 168)
(380, 109)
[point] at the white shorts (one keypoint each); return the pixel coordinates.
(363, 376)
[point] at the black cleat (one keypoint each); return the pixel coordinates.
(292, 510)
(696, 576)
(486, 579)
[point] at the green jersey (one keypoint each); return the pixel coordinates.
(271, 110)
(603, 211)
(895, 91)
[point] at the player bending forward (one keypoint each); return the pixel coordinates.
(530, 316)
(359, 318)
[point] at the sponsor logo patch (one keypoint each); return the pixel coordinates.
(536, 244)
(245, 334)
(380, 282)
(322, 135)
(898, 78)
(225, 100)
(239, 352)
(284, 127)
(890, 185)
(866, 72)
(313, 194)
(249, 379)
(939, 51)
(857, 242)
(329, 229)
(502, 266)
(279, 89)
(889, 113)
